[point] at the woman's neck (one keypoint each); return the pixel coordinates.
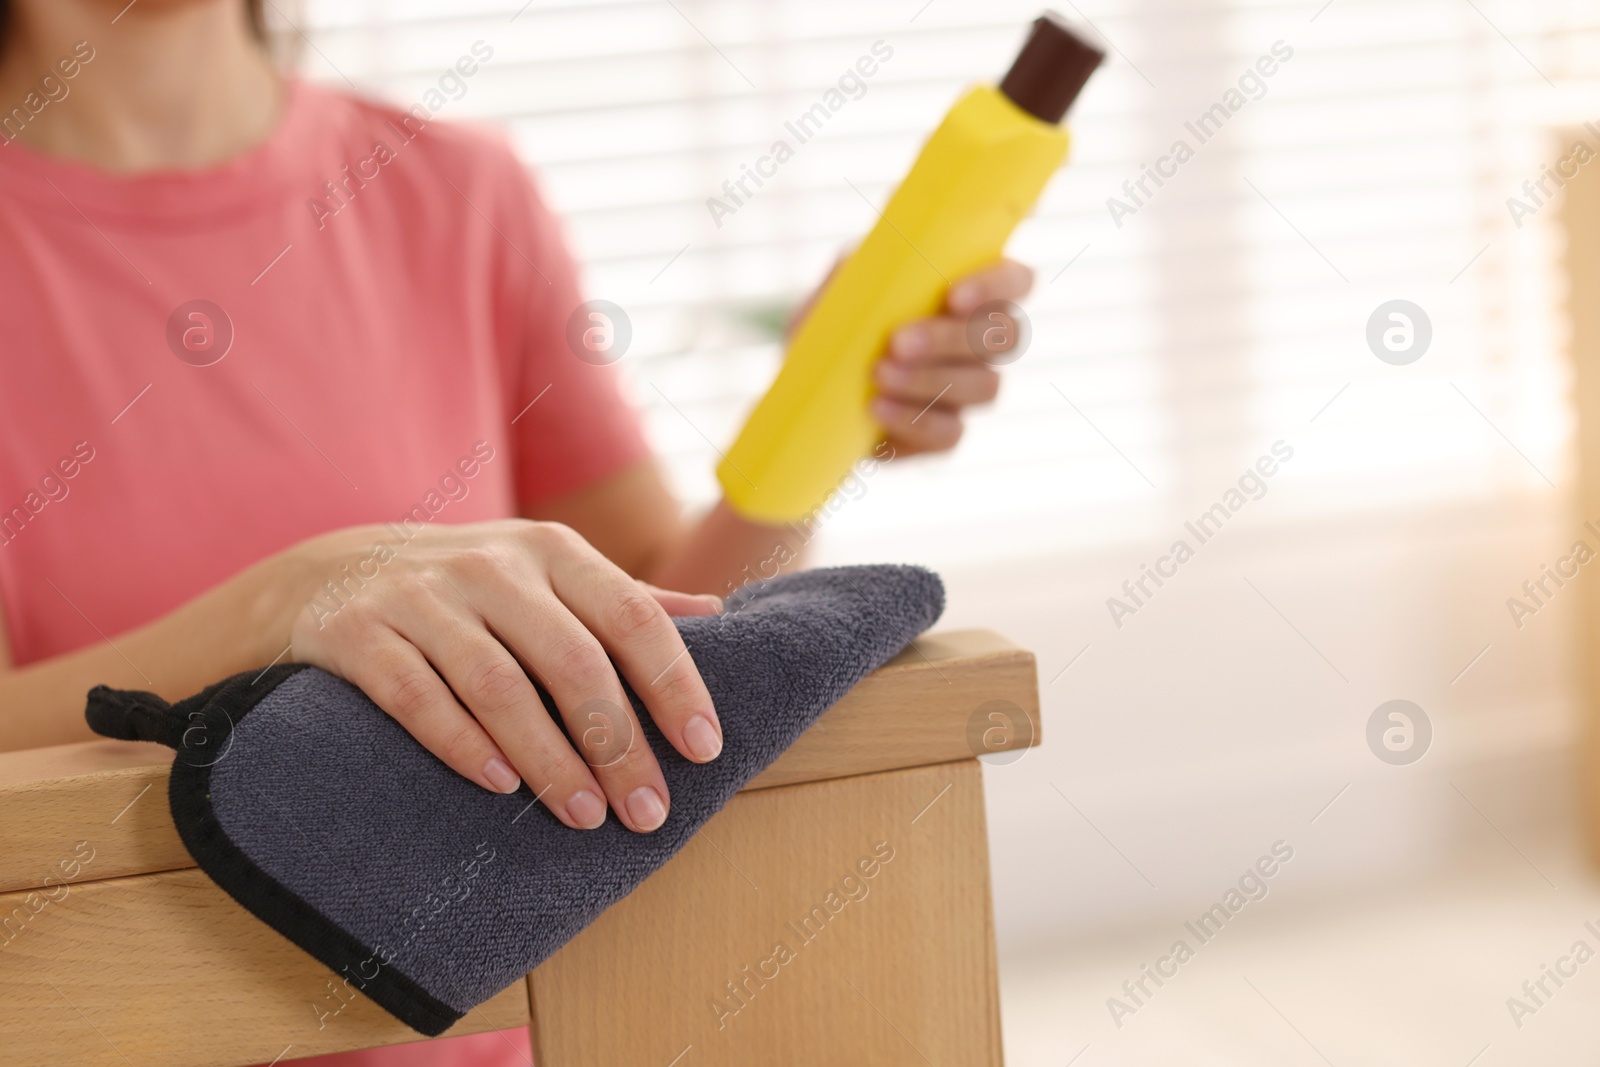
(170, 86)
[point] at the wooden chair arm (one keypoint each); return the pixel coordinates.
(913, 711)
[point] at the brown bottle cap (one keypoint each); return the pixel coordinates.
(1051, 69)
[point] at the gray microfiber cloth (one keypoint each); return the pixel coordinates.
(319, 813)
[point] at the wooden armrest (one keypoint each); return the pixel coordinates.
(915, 710)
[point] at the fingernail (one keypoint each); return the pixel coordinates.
(705, 744)
(714, 601)
(586, 810)
(501, 777)
(910, 342)
(965, 296)
(646, 809)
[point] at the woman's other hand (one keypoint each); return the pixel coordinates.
(938, 367)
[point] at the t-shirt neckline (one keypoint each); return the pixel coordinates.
(255, 178)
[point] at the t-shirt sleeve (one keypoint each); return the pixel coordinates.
(570, 423)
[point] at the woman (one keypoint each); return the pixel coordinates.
(239, 428)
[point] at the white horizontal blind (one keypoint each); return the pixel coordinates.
(1227, 311)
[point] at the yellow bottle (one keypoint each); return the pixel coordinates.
(977, 177)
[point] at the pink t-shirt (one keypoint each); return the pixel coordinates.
(381, 306)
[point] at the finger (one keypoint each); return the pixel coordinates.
(400, 681)
(635, 629)
(910, 430)
(493, 686)
(677, 603)
(574, 667)
(1005, 280)
(929, 340)
(951, 385)
(947, 338)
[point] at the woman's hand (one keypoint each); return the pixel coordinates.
(443, 632)
(933, 370)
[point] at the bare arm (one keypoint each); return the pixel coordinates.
(443, 631)
(633, 519)
(226, 630)
(246, 622)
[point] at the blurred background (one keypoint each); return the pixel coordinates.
(1173, 344)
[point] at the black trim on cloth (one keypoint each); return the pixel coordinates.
(201, 729)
